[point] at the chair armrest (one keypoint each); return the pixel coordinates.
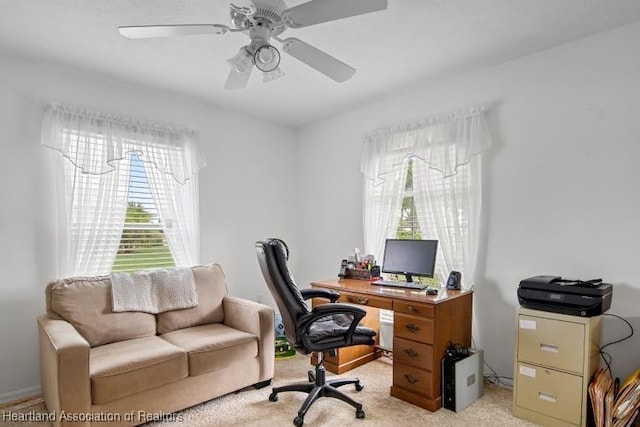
(337, 308)
(325, 310)
(256, 319)
(64, 367)
(320, 293)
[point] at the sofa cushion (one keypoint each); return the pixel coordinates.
(85, 302)
(128, 367)
(214, 346)
(211, 288)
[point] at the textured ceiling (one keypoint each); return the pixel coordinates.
(412, 41)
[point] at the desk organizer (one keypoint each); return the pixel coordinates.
(358, 274)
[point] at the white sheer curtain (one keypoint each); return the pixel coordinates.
(384, 181)
(445, 207)
(178, 208)
(96, 147)
(381, 213)
(447, 186)
(94, 209)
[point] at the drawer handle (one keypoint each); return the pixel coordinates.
(411, 309)
(547, 397)
(411, 378)
(412, 328)
(551, 348)
(411, 352)
(363, 300)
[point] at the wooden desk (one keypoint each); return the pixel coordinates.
(423, 326)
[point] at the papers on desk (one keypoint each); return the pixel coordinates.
(614, 405)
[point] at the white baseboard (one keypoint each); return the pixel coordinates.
(20, 394)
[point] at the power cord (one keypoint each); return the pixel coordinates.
(493, 377)
(606, 357)
(456, 350)
(497, 380)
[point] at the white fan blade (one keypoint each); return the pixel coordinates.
(317, 11)
(150, 31)
(315, 58)
(237, 80)
(269, 4)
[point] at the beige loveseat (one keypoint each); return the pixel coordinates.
(104, 368)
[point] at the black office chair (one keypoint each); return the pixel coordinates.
(324, 329)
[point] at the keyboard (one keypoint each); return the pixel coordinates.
(407, 285)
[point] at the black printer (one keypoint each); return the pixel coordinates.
(574, 297)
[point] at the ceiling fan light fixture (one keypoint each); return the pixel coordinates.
(241, 62)
(272, 75)
(266, 58)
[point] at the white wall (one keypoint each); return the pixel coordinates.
(561, 180)
(247, 192)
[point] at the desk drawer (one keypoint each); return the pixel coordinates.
(413, 328)
(370, 301)
(412, 379)
(413, 308)
(554, 343)
(550, 392)
(412, 353)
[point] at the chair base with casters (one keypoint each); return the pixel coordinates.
(318, 386)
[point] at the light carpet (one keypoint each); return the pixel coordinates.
(251, 407)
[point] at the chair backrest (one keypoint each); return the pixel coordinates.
(272, 257)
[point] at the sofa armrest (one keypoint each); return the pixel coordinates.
(256, 319)
(64, 368)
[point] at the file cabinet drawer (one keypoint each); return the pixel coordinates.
(412, 353)
(366, 300)
(553, 343)
(415, 309)
(414, 380)
(550, 392)
(413, 328)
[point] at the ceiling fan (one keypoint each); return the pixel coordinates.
(265, 20)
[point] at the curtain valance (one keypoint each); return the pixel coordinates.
(443, 142)
(94, 141)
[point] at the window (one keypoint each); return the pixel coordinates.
(409, 227)
(142, 244)
(444, 207)
(422, 180)
(130, 192)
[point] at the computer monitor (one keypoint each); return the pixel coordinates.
(410, 257)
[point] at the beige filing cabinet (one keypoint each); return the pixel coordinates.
(556, 356)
